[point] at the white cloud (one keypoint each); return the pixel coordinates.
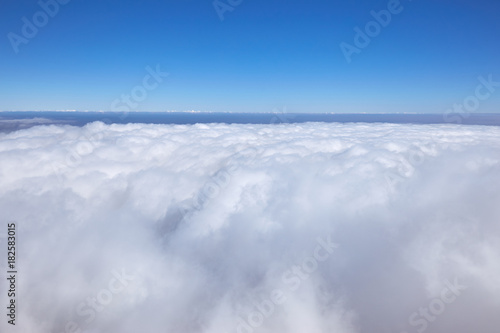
(209, 220)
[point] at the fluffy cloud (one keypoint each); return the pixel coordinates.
(254, 228)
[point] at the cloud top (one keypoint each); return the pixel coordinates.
(255, 228)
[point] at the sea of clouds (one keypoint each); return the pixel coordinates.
(314, 227)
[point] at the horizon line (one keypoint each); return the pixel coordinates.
(236, 112)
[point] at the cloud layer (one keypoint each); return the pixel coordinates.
(254, 228)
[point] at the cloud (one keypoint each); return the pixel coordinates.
(9, 125)
(225, 228)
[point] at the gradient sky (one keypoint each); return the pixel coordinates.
(264, 55)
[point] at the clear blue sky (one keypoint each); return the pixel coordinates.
(264, 55)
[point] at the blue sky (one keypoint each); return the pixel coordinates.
(263, 55)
